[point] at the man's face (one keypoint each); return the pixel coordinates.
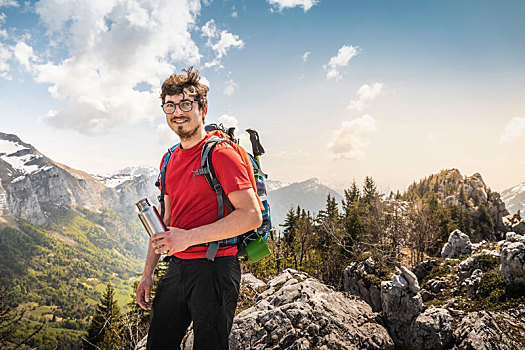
(185, 124)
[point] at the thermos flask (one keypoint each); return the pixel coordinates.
(150, 217)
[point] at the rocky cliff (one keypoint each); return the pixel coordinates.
(30, 183)
(484, 206)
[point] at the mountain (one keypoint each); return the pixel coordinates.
(514, 198)
(63, 235)
(31, 183)
(474, 200)
(310, 195)
(272, 185)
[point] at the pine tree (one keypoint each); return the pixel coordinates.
(370, 194)
(104, 329)
(290, 225)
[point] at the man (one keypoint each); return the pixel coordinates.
(195, 288)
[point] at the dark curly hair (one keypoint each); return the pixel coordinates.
(189, 84)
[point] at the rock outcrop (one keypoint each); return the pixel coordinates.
(458, 244)
(484, 261)
(402, 303)
(432, 330)
(484, 330)
(410, 326)
(299, 312)
(359, 279)
(512, 254)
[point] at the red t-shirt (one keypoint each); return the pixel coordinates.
(193, 202)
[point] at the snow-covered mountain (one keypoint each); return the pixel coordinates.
(514, 198)
(119, 177)
(272, 185)
(31, 183)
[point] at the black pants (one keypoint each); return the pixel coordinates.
(197, 290)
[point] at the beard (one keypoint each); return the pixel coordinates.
(188, 134)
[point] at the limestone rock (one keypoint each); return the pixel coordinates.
(432, 330)
(458, 244)
(249, 280)
(356, 281)
(401, 306)
(484, 330)
(484, 261)
(473, 283)
(411, 278)
(512, 252)
(299, 312)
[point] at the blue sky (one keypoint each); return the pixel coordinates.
(337, 89)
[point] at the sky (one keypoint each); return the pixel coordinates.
(337, 89)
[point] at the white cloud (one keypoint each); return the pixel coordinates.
(230, 87)
(366, 93)
(5, 56)
(344, 55)
(9, 3)
(235, 14)
(283, 4)
(113, 45)
(227, 40)
(513, 130)
(24, 54)
(305, 56)
(2, 17)
(219, 43)
(209, 30)
(229, 121)
(349, 142)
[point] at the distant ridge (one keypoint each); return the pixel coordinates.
(309, 194)
(514, 198)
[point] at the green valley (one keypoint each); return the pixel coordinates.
(57, 273)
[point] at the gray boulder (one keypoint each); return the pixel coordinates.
(485, 260)
(299, 312)
(409, 324)
(250, 281)
(473, 283)
(432, 330)
(458, 244)
(358, 280)
(401, 306)
(484, 330)
(512, 256)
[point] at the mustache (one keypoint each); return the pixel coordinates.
(179, 117)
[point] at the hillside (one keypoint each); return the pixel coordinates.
(57, 273)
(482, 209)
(60, 242)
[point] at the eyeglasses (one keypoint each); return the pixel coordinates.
(184, 105)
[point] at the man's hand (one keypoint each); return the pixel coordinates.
(144, 293)
(172, 241)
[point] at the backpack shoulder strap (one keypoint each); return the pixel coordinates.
(161, 181)
(208, 171)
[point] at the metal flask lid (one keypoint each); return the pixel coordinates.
(143, 204)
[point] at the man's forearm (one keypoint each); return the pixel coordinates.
(236, 223)
(152, 259)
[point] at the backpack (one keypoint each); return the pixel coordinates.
(252, 238)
